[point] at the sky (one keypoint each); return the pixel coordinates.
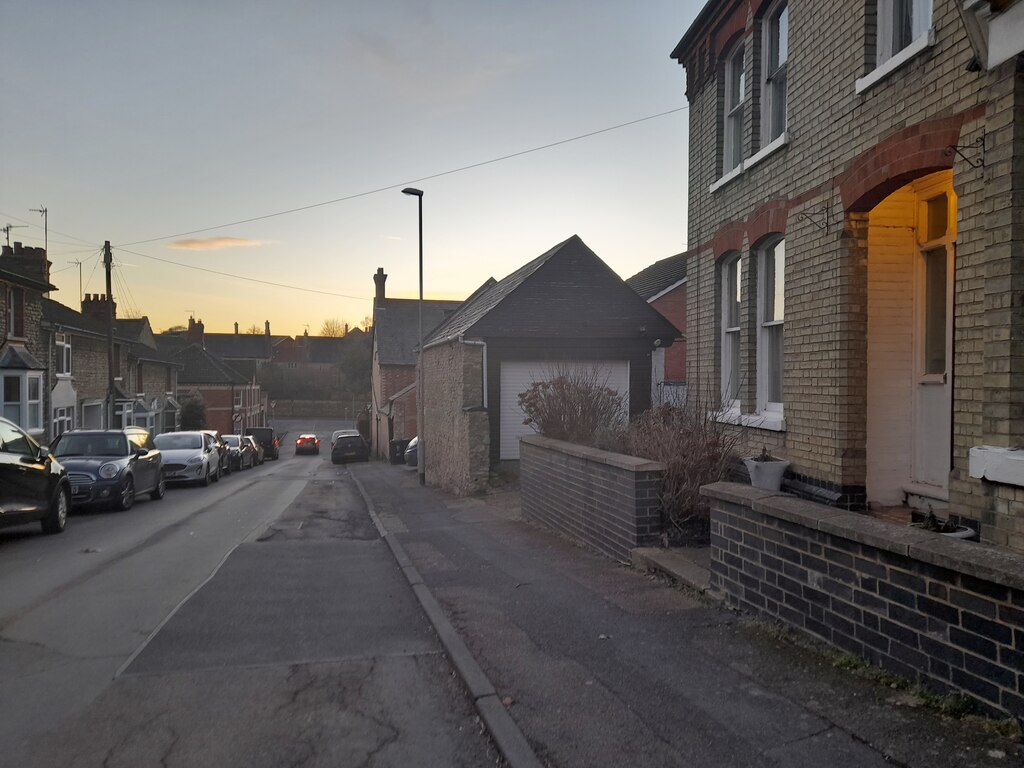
(176, 130)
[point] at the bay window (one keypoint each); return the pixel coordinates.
(22, 399)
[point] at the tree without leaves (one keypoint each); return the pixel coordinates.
(332, 327)
(254, 330)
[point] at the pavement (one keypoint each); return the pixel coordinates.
(596, 664)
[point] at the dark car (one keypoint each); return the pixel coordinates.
(110, 466)
(33, 485)
(349, 448)
(265, 436)
(307, 444)
(411, 452)
(241, 454)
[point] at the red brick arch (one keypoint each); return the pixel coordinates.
(897, 160)
(729, 238)
(768, 218)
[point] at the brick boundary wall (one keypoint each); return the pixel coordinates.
(605, 500)
(948, 614)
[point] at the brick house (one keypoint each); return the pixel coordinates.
(854, 179)
(663, 286)
(24, 277)
(395, 342)
(564, 310)
(145, 380)
(229, 388)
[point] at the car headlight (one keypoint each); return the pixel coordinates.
(195, 460)
(108, 471)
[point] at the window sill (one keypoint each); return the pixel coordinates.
(771, 421)
(879, 73)
(998, 465)
(748, 163)
(777, 144)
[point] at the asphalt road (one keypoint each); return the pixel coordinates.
(257, 622)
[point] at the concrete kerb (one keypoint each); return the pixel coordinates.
(503, 729)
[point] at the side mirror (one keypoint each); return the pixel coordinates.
(140, 452)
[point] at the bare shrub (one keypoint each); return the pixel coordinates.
(576, 405)
(697, 449)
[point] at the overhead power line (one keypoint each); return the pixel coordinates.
(408, 182)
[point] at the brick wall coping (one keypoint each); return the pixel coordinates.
(982, 561)
(619, 460)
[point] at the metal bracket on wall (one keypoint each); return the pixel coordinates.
(813, 216)
(978, 143)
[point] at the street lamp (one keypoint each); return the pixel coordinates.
(421, 443)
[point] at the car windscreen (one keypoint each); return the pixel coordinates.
(69, 445)
(351, 441)
(176, 441)
(232, 440)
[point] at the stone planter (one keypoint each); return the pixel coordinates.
(766, 475)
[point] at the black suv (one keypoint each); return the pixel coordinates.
(110, 466)
(265, 437)
(33, 486)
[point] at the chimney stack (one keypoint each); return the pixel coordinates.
(27, 261)
(266, 325)
(196, 332)
(379, 279)
(94, 305)
(236, 329)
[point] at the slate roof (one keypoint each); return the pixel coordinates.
(58, 315)
(565, 292)
(247, 346)
(396, 327)
(660, 276)
(201, 367)
(15, 357)
(17, 278)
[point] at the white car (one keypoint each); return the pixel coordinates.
(189, 457)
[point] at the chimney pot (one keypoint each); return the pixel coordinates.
(236, 329)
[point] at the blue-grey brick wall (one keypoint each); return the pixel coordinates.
(605, 500)
(945, 613)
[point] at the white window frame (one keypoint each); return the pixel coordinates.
(63, 420)
(922, 37)
(62, 343)
(773, 80)
(730, 267)
(772, 411)
(13, 317)
(30, 412)
(733, 110)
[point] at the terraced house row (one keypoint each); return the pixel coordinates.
(856, 259)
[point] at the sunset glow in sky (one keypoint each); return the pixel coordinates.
(154, 124)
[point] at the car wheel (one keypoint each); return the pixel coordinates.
(227, 468)
(57, 516)
(161, 486)
(127, 499)
(216, 475)
(206, 478)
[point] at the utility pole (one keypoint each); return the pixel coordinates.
(9, 227)
(46, 234)
(108, 262)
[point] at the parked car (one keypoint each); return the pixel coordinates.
(110, 466)
(190, 457)
(241, 454)
(349, 448)
(223, 465)
(343, 433)
(260, 454)
(411, 451)
(265, 436)
(33, 484)
(307, 443)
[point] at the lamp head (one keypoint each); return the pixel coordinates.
(412, 191)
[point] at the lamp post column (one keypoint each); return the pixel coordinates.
(421, 443)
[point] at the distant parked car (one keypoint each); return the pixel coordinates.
(223, 465)
(241, 454)
(33, 485)
(259, 453)
(265, 436)
(343, 433)
(190, 457)
(307, 443)
(412, 451)
(349, 448)
(110, 466)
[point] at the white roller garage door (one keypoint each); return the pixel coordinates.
(516, 378)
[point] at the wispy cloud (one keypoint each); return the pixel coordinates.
(392, 237)
(216, 243)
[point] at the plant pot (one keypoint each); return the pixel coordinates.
(766, 475)
(961, 532)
